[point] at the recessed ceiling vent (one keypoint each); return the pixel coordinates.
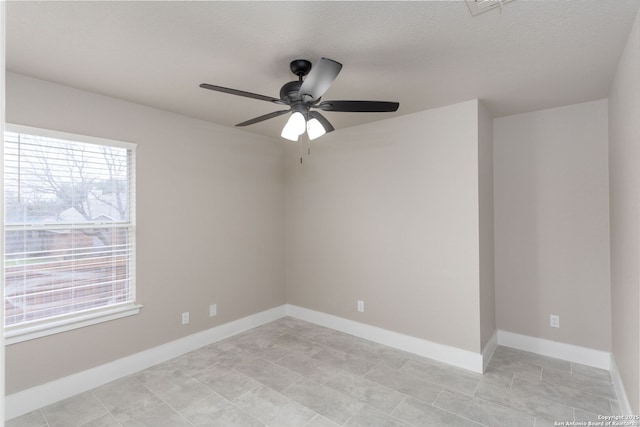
(476, 7)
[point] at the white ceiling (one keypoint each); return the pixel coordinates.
(425, 54)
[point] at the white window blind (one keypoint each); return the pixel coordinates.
(69, 226)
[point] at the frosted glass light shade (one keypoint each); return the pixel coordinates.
(287, 133)
(315, 129)
(295, 126)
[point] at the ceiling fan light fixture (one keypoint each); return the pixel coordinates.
(315, 129)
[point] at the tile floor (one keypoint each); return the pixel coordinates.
(294, 373)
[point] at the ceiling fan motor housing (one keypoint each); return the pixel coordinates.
(290, 92)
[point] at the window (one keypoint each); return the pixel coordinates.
(69, 231)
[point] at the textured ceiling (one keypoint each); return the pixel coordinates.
(529, 56)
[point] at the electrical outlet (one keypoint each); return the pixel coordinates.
(185, 317)
(213, 310)
(554, 321)
(360, 306)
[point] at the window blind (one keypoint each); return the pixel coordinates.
(69, 227)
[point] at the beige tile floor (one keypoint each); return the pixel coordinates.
(294, 373)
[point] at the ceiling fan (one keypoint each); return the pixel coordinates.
(303, 99)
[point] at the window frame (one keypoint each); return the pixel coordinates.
(53, 325)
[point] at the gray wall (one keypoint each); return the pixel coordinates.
(388, 213)
(552, 224)
(210, 205)
(486, 217)
(624, 166)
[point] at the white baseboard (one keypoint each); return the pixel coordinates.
(43, 395)
(488, 350)
(572, 353)
(440, 352)
(46, 394)
(621, 394)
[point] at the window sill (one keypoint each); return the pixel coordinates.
(14, 335)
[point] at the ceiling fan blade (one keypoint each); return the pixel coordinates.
(263, 118)
(359, 106)
(319, 79)
(242, 93)
(322, 119)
